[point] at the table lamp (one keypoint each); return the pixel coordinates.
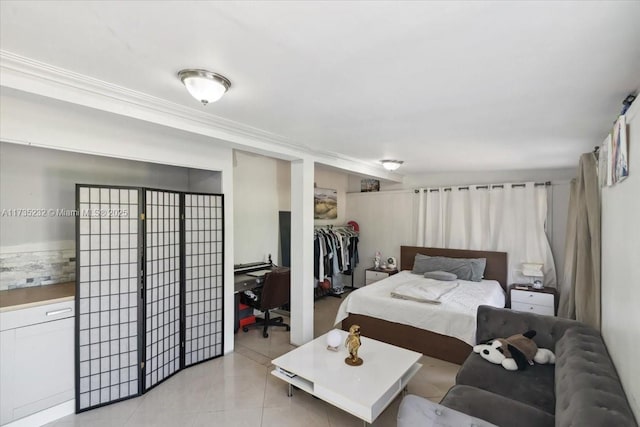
(334, 339)
(534, 272)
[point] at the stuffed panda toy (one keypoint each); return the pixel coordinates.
(516, 352)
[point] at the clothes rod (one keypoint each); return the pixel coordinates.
(482, 187)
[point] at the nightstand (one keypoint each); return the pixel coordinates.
(539, 301)
(372, 275)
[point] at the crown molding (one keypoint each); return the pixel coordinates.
(28, 75)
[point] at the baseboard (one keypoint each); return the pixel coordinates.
(45, 416)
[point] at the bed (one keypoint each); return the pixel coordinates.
(452, 344)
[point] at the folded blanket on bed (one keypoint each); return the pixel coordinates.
(424, 290)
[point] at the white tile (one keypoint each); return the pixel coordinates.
(295, 416)
(231, 418)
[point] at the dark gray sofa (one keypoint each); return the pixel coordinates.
(581, 389)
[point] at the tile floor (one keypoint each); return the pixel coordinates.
(238, 390)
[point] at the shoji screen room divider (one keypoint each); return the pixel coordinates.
(149, 291)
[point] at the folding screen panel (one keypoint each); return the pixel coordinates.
(162, 285)
(108, 301)
(203, 277)
(149, 293)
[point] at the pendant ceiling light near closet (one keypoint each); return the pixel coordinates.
(205, 86)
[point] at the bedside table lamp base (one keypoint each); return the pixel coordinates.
(534, 271)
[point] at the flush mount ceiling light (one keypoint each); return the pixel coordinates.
(391, 165)
(203, 85)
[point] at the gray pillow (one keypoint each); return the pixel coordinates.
(471, 269)
(440, 275)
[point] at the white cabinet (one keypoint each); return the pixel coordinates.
(7, 368)
(533, 301)
(373, 275)
(37, 359)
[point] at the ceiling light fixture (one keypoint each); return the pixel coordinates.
(391, 165)
(203, 85)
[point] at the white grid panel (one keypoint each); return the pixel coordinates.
(162, 294)
(203, 277)
(107, 295)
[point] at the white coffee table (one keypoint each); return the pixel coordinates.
(363, 391)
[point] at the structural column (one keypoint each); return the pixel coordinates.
(302, 175)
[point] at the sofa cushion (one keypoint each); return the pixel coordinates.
(495, 322)
(587, 386)
(494, 408)
(533, 386)
(418, 411)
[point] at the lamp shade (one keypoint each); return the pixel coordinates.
(531, 269)
(203, 85)
(391, 165)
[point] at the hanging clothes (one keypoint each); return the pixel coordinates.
(335, 251)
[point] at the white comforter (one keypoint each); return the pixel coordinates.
(455, 316)
(424, 290)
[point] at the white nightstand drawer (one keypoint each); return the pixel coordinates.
(530, 297)
(533, 308)
(376, 275)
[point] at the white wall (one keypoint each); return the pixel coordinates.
(261, 191)
(263, 188)
(621, 269)
(283, 182)
(386, 220)
(204, 181)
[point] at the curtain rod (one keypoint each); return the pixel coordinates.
(485, 187)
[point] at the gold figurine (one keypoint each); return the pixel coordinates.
(353, 344)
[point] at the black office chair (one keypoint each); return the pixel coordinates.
(275, 293)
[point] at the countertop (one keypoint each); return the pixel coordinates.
(15, 299)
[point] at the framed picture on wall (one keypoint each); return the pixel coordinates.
(620, 147)
(613, 160)
(325, 201)
(369, 185)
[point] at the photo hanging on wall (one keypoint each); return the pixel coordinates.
(620, 147)
(325, 203)
(613, 162)
(367, 185)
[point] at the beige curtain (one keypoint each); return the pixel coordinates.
(580, 284)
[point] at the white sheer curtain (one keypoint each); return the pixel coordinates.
(507, 218)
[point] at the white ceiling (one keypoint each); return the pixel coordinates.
(444, 86)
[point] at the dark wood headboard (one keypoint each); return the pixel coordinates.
(496, 261)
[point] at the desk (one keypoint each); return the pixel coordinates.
(242, 282)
